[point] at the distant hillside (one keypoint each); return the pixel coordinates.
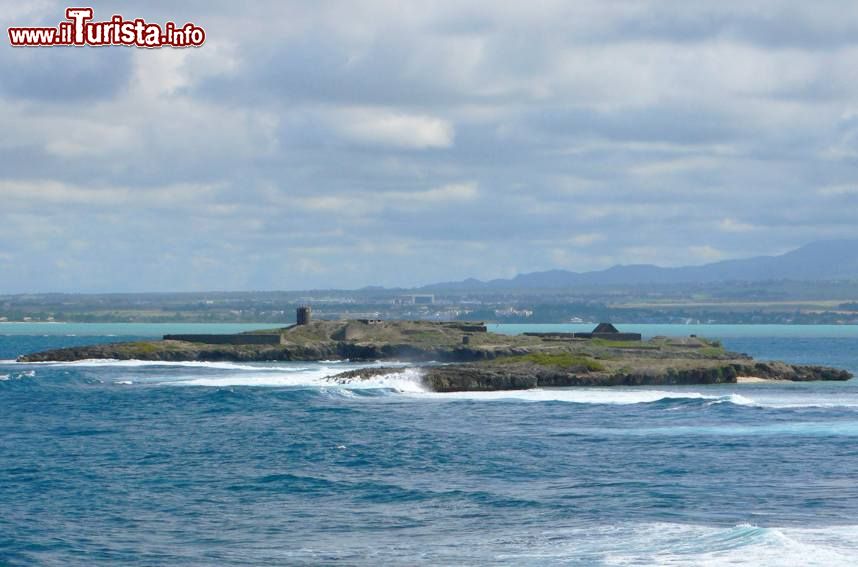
(825, 260)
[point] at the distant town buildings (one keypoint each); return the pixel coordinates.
(415, 299)
(513, 312)
(360, 315)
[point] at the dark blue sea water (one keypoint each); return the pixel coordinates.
(132, 463)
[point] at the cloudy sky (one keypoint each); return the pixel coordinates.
(315, 144)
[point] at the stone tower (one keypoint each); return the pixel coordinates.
(304, 314)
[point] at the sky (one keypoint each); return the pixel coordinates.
(321, 144)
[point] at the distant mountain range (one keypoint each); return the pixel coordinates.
(824, 260)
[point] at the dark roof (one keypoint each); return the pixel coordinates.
(605, 328)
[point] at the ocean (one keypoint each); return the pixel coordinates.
(133, 463)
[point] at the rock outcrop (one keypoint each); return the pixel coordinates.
(482, 360)
(476, 377)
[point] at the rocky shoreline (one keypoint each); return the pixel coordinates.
(478, 377)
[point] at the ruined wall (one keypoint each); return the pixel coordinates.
(466, 326)
(614, 336)
(570, 336)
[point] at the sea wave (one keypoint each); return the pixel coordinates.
(726, 429)
(408, 380)
(316, 374)
(579, 395)
(742, 544)
(17, 375)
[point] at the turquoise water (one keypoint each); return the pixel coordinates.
(133, 463)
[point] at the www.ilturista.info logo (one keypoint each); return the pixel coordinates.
(79, 30)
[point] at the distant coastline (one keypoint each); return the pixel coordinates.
(714, 330)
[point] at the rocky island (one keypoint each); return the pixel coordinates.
(464, 356)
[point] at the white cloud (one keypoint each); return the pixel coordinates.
(363, 203)
(704, 254)
(452, 193)
(37, 194)
(675, 166)
(838, 190)
(163, 72)
(159, 72)
(732, 225)
(586, 239)
(393, 128)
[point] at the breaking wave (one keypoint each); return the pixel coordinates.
(743, 544)
(614, 395)
(17, 375)
(408, 380)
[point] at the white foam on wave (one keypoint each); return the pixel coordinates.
(793, 399)
(801, 398)
(17, 375)
(304, 377)
(743, 544)
(309, 373)
(579, 395)
(282, 374)
(621, 395)
(407, 380)
(799, 429)
(737, 399)
(674, 544)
